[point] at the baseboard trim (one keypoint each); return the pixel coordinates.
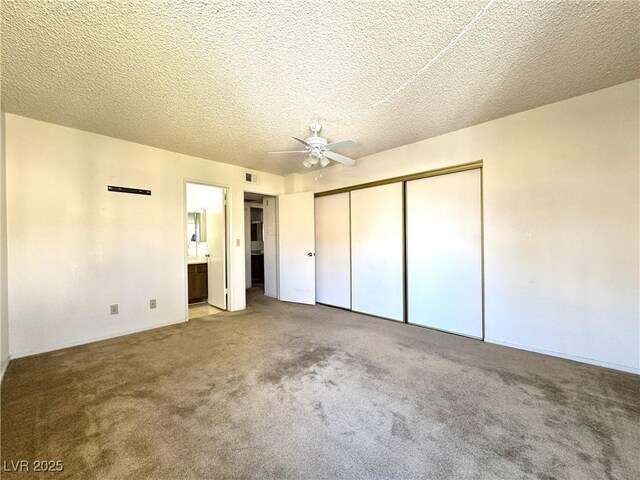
(575, 358)
(60, 346)
(3, 368)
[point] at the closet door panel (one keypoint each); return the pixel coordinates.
(377, 272)
(296, 246)
(333, 256)
(444, 252)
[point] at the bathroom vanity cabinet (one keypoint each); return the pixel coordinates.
(198, 282)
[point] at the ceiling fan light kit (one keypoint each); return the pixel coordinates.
(318, 150)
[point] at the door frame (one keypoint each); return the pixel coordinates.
(248, 236)
(227, 239)
(275, 199)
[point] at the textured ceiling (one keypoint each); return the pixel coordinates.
(230, 80)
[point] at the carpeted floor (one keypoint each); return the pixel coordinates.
(290, 391)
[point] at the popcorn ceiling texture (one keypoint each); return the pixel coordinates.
(229, 81)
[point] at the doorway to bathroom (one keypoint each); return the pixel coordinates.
(260, 243)
(206, 249)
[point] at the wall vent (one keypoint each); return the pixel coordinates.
(250, 177)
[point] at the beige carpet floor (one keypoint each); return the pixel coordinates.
(291, 391)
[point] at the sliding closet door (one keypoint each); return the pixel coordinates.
(333, 256)
(377, 251)
(444, 252)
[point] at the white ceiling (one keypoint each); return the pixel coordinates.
(230, 80)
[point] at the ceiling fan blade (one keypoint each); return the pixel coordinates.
(287, 152)
(339, 158)
(302, 142)
(343, 144)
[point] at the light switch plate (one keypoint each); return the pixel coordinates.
(152, 303)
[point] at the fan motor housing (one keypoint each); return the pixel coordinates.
(316, 141)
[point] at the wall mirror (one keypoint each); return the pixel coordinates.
(256, 232)
(197, 226)
(257, 229)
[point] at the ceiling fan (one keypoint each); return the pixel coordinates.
(318, 150)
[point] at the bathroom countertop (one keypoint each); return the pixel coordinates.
(196, 260)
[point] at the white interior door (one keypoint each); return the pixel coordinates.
(444, 253)
(296, 248)
(217, 246)
(377, 251)
(333, 250)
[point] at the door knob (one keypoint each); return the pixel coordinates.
(310, 254)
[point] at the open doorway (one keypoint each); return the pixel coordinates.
(260, 243)
(206, 241)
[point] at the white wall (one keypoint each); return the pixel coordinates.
(76, 248)
(561, 225)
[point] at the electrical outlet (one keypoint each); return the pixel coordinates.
(114, 309)
(152, 303)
